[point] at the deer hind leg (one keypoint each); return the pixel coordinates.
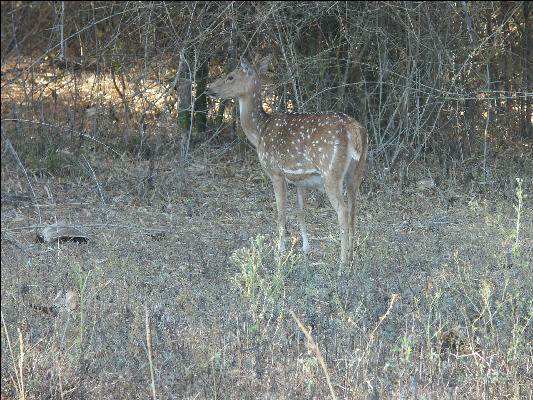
(353, 179)
(351, 191)
(301, 218)
(280, 191)
(333, 190)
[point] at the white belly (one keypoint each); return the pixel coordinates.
(314, 180)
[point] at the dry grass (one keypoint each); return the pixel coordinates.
(182, 295)
(461, 327)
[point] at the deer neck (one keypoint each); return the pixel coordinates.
(252, 115)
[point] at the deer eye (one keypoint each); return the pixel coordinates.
(229, 78)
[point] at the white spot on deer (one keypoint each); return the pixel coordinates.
(333, 154)
(299, 171)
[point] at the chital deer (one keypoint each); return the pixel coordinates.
(304, 149)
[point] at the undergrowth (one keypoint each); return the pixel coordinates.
(467, 334)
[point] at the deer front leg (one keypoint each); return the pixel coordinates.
(280, 191)
(301, 218)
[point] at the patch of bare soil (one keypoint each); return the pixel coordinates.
(437, 302)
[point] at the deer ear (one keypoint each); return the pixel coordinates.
(246, 66)
(262, 66)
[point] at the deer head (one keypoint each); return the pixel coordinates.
(241, 81)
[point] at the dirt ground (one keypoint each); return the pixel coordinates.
(437, 303)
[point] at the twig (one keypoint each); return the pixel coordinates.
(149, 345)
(96, 180)
(10, 146)
(21, 364)
(313, 346)
(19, 385)
(381, 319)
(62, 128)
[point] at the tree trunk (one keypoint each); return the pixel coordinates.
(528, 128)
(201, 99)
(184, 109)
